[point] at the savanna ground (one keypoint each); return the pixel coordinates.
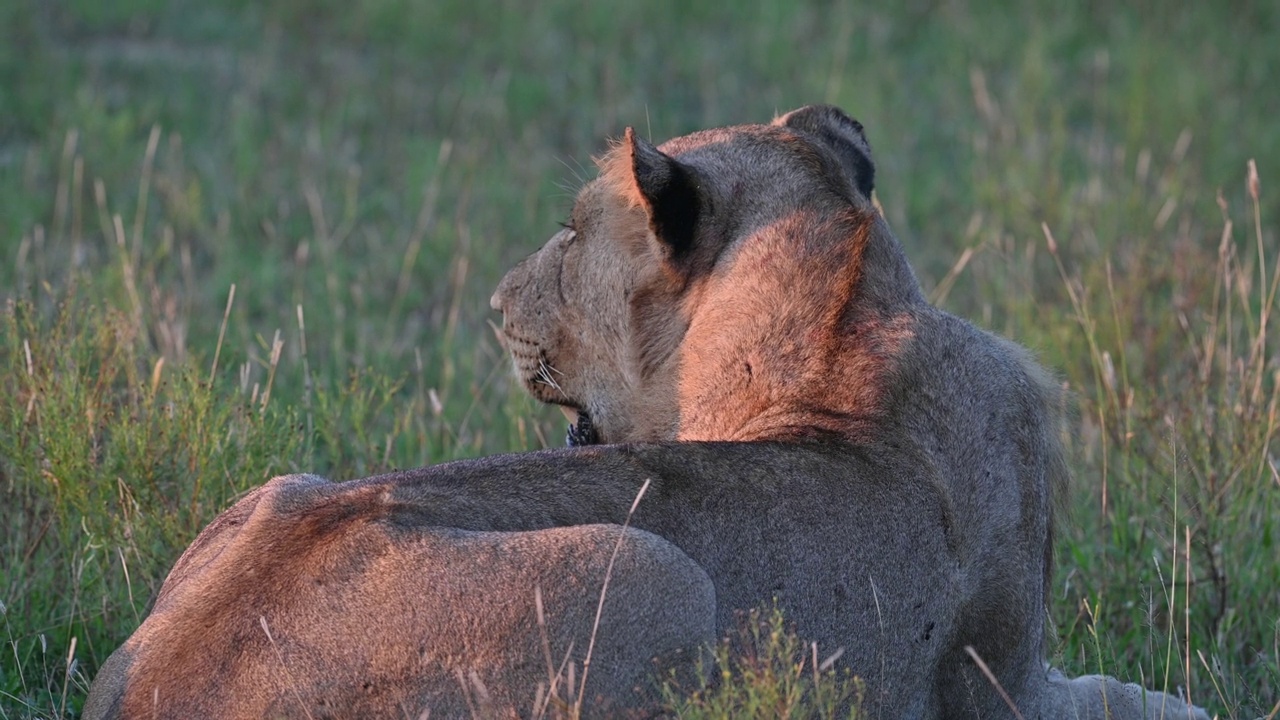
(240, 239)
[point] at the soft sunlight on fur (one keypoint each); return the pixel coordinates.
(749, 343)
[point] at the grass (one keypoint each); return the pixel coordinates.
(362, 173)
(765, 671)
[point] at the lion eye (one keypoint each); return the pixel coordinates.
(569, 232)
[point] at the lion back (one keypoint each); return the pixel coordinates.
(310, 598)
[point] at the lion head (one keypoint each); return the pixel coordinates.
(705, 288)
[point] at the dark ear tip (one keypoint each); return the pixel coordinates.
(667, 191)
(813, 116)
(842, 135)
(819, 119)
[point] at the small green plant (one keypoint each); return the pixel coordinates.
(765, 672)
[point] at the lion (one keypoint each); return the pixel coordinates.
(759, 393)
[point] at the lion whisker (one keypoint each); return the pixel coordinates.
(544, 374)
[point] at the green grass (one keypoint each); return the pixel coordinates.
(363, 172)
(765, 672)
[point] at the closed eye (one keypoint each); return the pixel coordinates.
(560, 269)
(572, 228)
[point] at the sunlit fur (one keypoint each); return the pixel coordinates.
(753, 348)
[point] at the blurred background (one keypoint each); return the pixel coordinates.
(239, 239)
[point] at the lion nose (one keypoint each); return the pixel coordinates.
(499, 298)
(509, 287)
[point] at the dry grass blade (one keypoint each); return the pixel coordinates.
(991, 678)
(222, 333)
(293, 685)
(66, 681)
(604, 589)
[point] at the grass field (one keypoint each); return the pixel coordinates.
(239, 239)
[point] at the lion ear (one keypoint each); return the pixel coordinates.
(669, 193)
(842, 135)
